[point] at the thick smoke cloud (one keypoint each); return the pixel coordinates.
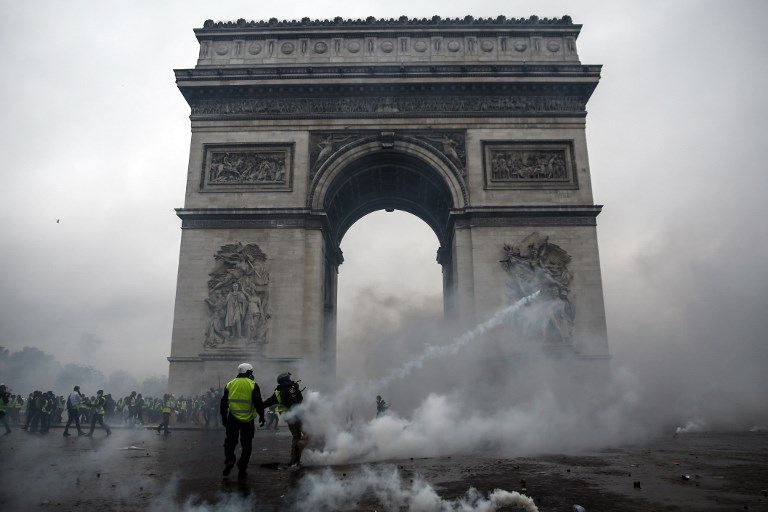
(326, 491)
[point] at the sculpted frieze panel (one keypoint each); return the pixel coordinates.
(247, 168)
(238, 299)
(386, 106)
(536, 265)
(529, 164)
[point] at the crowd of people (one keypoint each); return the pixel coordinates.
(236, 407)
(40, 410)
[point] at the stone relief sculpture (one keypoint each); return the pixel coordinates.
(325, 146)
(449, 144)
(379, 106)
(238, 299)
(538, 265)
(528, 165)
(246, 167)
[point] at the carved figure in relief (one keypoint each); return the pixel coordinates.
(247, 167)
(449, 148)
(326, 147)
(272, 106)
(258, 315)
(216, 332)
(524, 165)
(237, 308)
(238, 297)
(538, 265)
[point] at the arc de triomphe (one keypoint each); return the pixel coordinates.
(300, 128)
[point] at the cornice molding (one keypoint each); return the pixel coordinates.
(401, 22)
(509, 216)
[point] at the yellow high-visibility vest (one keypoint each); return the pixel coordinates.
(240, 398)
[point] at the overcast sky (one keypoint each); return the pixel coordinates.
(95, 140)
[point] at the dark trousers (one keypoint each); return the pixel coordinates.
(298, 442)
(4, 422)
(73, 415)
(166, 421)
(33, 419)
(244, 431)
(45, 422)
(100, 419)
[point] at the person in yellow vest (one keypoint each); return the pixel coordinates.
(14, 409)
(98, 413)
(240, 404)
(167, 407)
(130, 402)
(288, 397)
(46, 403)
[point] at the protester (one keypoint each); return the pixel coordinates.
(288, 397)
(73, 411)
(98, 414)
(240, 404)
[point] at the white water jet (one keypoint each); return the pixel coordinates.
(434, 351)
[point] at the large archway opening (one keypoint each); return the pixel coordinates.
(388, 213)
(388, 282)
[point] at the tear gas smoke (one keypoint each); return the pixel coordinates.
(168, 501)
(325, 491)
(434, 351)
(694, 425)
(453, 423)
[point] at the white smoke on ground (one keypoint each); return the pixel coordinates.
(441, 426)
(324, 491)
(530, 406)
(168, 501)
(692, 426)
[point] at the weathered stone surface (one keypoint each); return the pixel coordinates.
(301, 128)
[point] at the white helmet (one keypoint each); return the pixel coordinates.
(244, 368)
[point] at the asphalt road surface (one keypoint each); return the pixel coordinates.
(136, 469)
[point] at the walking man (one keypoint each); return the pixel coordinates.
(240, 404)
(73, 411)
(98, 413)
(167, 406)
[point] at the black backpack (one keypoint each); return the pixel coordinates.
(290, 394)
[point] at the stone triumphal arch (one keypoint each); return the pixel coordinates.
(300, 128)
